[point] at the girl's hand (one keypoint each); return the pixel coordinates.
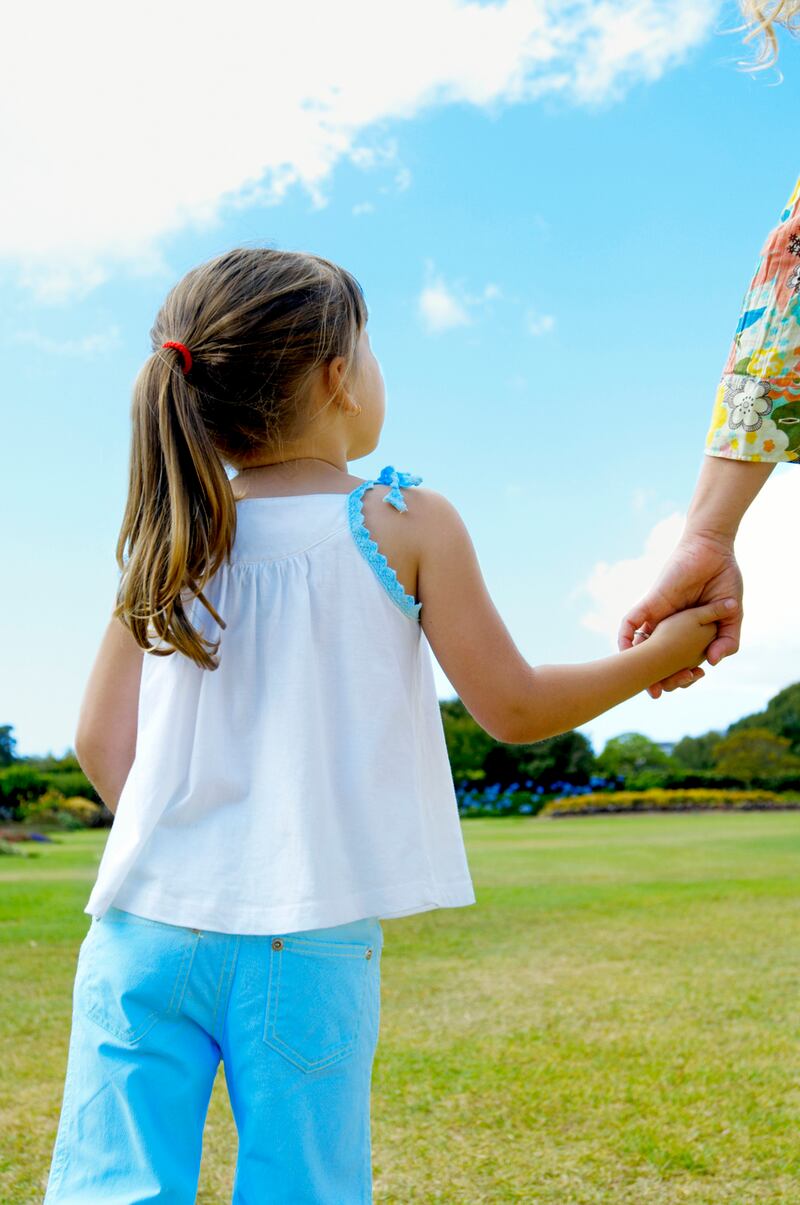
(686, 635)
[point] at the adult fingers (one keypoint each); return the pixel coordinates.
(683, 678)
(636, 618)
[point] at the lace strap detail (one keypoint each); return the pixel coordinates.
(369, 548)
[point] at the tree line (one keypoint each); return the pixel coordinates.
(762, 749)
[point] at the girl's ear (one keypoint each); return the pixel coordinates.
(333, 384)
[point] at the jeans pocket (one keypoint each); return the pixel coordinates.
(132, 973)
(316, 996)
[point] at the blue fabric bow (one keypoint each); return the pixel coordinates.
(391, 476)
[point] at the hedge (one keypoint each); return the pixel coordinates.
(669, 801)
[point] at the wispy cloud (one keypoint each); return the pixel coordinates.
(109, 153)
(442, 306)
(402, 179)
(539, 324)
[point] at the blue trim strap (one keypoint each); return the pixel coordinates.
(369, 547)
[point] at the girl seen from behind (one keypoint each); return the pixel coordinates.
(262, 719)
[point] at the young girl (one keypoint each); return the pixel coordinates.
(277, 763)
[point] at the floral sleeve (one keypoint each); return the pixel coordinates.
(757, 409)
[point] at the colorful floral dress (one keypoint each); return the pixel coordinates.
(757, 409)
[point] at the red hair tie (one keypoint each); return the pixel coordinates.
(185, 353)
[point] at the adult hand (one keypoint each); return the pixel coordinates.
(701, 569)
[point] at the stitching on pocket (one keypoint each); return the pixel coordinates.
(105, 982)
(315, 1007)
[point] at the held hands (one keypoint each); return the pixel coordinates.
(701, 570)
(686, 635)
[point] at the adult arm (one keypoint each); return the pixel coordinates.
(756, 415)
(703, 565)
(755, 423)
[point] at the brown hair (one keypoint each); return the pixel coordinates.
(258, 323)
(762, 16)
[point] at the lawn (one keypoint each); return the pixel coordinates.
(617, 1019)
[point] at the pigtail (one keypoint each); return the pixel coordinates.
(180, 518)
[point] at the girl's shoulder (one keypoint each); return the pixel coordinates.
(400, 519)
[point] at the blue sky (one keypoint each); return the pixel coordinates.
(553, 266)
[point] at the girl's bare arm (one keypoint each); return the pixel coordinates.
(105, 742)
(512, 700)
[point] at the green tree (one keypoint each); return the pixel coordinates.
(753, 753)
(697, 752)
(467, 743)
(781, 716)
(473, 753)
(568, 756)
(633, 754)
(7, 745)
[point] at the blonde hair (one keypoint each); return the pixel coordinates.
(258, 323)
(761, 17)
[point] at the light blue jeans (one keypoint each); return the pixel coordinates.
(293, 1016)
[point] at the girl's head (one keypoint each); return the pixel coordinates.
(762, 16)
(281, 367)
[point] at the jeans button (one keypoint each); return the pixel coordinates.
(369, 953)
(277, 944)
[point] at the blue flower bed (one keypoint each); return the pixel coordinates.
(522, 799)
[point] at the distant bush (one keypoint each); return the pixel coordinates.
(688, 779)
(68, 781)
(24, 782)
(89, 813)
(49, 809)
(669, 801)
(18, 784)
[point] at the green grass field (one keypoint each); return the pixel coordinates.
(617, 1019)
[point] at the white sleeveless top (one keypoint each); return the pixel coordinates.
(305, 782)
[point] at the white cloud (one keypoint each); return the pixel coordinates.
(440, 309)
(85, 346)
(363, 207)
(540, 324)
(769, 657)
(133, 123)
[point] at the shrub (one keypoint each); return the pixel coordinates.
(69, 782)
(89, 813)
(48, 809)
(18, 785)
(669, 801)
